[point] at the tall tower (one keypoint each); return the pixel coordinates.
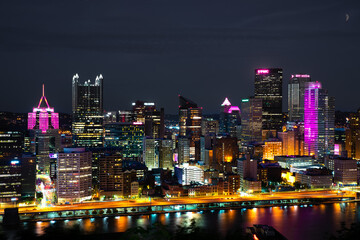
(296, 89)
(87, 108)
(251, 121)
(190, 118)
(268, 87)
(319, 121)
(43, 124)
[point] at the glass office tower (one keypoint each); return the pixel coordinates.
(87, 107)
(268, 87)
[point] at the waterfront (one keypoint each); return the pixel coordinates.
(294, 222)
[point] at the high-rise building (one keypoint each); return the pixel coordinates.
(296, 90)
(183, 150)
(110, 169)
(146, 112)
(151, 153)
(210, 126)
(43, 124)
(190, 118)
(127, 137)
(87, 108)
(229, 118)
(293, 140)
(268, 87)
(166, 154)
(352, 142)
(74, 179)
(319, 121)
(251, 120)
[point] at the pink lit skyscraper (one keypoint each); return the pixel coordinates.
(43, 116)
(43, 124)
(319, 116)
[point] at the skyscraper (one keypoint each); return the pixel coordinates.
(296, 89)
(229, 118)
(319, 118)
(251, 121)
(268, 87)
(190, 118)
(43, 124)
(87, 107)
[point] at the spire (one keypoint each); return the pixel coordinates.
(226, 102)
(43, 98)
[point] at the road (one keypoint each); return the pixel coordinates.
(186, 200)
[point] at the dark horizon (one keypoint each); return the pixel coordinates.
(153, 51)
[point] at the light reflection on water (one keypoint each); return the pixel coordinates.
(294, 222)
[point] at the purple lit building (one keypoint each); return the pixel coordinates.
(43, 124)
(43, 116)
(319, 118)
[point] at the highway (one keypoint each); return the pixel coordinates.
(187, 200)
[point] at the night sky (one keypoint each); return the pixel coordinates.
(154, 50)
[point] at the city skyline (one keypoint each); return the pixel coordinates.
(154, 45)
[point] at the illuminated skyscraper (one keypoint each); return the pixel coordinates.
(319, 118)
(296, 89)
(268, 87)
(229, 118)
(251, 121)
(43, 124)
(87, 107)
(190, 118)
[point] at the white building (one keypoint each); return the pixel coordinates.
(74, 179)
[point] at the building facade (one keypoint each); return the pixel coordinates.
(268, 87)
(251, 119)
(319, 121)
(296, 90)
(87, 109)
(74, 180)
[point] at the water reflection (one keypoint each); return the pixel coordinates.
(292, 221)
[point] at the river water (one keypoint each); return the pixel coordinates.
(294, 222)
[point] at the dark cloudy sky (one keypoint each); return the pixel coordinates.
(154, 50)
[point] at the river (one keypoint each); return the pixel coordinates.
(294, 222)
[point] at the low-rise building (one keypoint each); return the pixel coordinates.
(315, 177)
(288, 161)
(345, 171)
